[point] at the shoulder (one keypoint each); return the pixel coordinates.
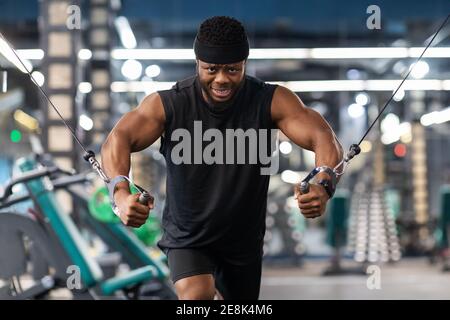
(285, 95)
(152, 100)
(152, 106)
(285, 103)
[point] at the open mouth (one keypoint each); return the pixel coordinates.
(221, 93)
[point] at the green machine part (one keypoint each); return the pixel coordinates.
(444, 217)
(100, 208)
(337, 219)
(393, 201)
(65, 229)
(150, 232)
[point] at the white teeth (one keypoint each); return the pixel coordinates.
(222, 92)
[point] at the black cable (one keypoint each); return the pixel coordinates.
(404, 79)
(44, 93)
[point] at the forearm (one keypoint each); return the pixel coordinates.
(315, 134)
(328, 151)
(116, 154)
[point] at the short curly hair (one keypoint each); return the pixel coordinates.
(221, 31)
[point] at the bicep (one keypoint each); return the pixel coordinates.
(301, 125)
(142, 126)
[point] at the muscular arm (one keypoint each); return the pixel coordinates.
(309, 130)
(134, 132)
(305, 127)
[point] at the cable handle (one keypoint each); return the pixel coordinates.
(304, 184)
(144, 198)
(304, 187)
(89, 156)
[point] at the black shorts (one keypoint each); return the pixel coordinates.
(233, 280)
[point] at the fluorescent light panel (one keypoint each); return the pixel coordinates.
(126, 34)
(267, 53)
(7, 52)
(31, 54)
(306, 86)
(291, 53)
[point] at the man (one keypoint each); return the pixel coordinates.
(214, 216)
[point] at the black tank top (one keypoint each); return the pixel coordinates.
(219, 206)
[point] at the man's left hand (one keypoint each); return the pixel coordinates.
(313, 203)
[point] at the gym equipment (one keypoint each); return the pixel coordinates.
(30, 232)
(100, 207)
(89, 155)
(119, 238)
(3, 81)
(24, 241)
(372, 233)
(337, 230)
(285, 227)
(336, 219)
(444, 226)
(62, 234)
(355, 149)
(113, 233)
(150, 232)
(444, 218)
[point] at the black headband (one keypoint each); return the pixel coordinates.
(221, 54)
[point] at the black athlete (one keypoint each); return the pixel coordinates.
(214, 215)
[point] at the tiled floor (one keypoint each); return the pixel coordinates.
(407, 279)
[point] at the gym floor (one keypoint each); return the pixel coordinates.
(408, 279)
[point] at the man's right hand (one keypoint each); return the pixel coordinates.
(131, 212)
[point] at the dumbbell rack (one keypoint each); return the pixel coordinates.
(372, 231)
(284, 222)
